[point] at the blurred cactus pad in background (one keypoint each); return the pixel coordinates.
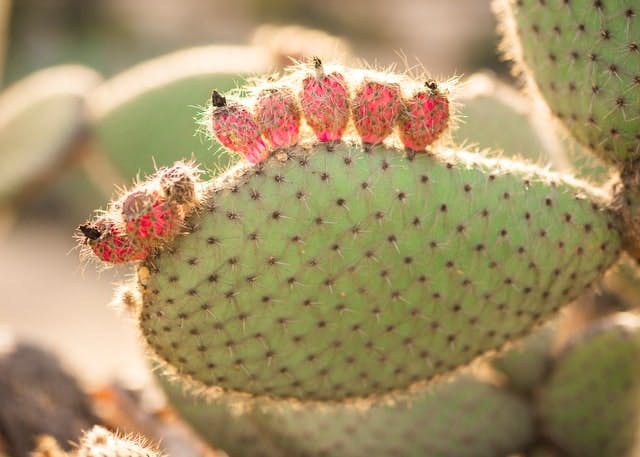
(317, 256)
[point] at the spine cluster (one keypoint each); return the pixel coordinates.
(145, 217)
(326, 101)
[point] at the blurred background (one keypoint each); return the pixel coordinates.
(47, 294)
(111, 35)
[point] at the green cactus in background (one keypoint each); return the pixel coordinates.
(582, 56)
(43, 120)
(590, 403)
(145, 116)
(464, 417)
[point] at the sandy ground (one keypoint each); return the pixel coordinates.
(49, 297)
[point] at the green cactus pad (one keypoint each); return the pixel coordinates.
(590, 404)
(146, 114)
(351, 273)
(462, 418)
(512, 129)
(584, 58)
(41, 120)
(526, 364)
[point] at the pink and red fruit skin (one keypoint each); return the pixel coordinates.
(425, 117)
(376, 107)
(234, 126)
(325, 103)
(149, 218)
(109, 243)
(278, 116)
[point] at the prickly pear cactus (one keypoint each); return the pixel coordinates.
(42, 120)
(526, 364)
(582, 55)
(99, 442)
(465, 417)
(329, 274)
(589, 405)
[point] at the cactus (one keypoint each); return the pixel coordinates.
(425, 117)
(464, 417)
(589, 405)
(582, 56)
(372, 267)
(273, 291)
(235, 127)
(98, 442)
(325, 102)
(42, 122)
(376, 107)
(278, 115)
(527, 363)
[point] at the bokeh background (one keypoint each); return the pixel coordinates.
(47, 294)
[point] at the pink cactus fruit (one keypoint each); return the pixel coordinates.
(278, 116)
(325, 103)
(376, 107)
(149, 218)
(109, 243)
(425, 117)
(179, 182)
(234, 126)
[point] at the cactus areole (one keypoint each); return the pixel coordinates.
(346, 272)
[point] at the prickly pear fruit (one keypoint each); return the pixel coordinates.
(100, 442)
(589, 405)
(179, 183)
(149, 218)
(353, 273)
(466, 417)
(375, 108)
(234, 126)
(109, 242)
(425, 118)
(325, 102)
(278, 116)
(582, 56)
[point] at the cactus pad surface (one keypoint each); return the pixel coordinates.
(348, 273)
(584, 56)
(463, 418)
(589, 405)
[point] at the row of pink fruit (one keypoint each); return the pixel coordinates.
(144, 218)
(376, 107)
(153, 212)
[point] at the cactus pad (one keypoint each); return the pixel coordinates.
(42, 119)
(332, 275)
(584, 58)
(463, 418)
(589, 405)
